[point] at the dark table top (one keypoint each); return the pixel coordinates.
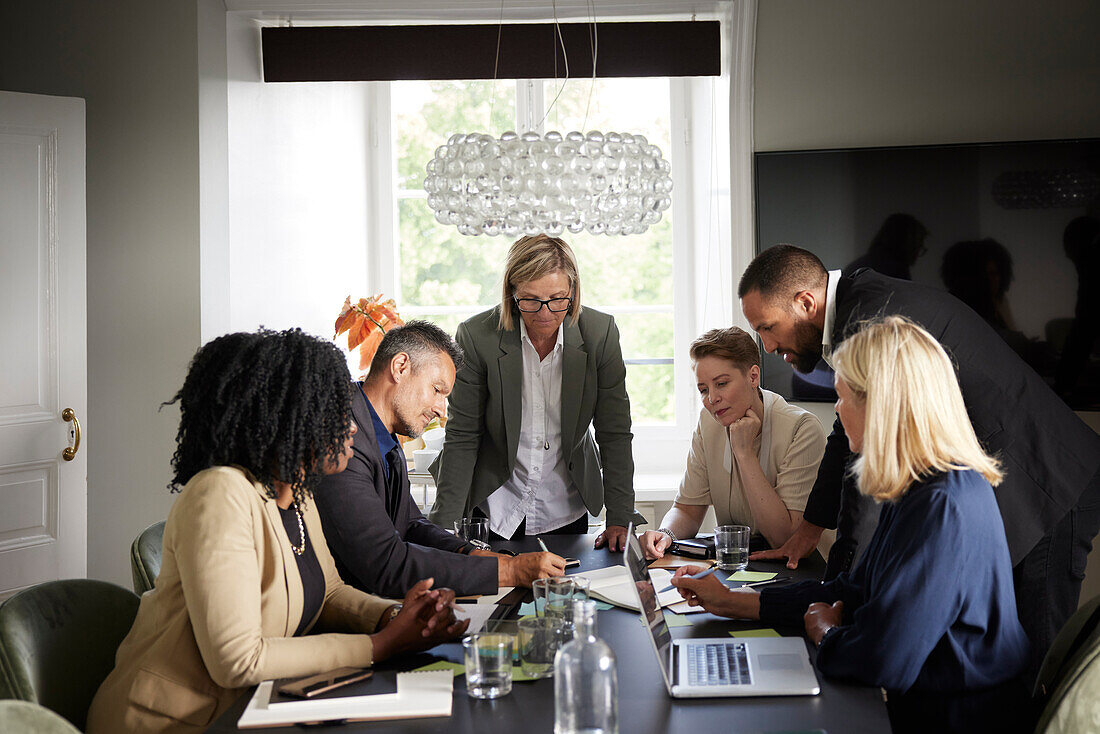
(644, 704)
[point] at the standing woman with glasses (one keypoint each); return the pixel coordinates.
(538, 434)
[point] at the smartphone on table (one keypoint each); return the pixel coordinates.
(314, 685)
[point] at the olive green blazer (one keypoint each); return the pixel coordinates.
(485, 409)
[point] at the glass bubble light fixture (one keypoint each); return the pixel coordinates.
(614, 183)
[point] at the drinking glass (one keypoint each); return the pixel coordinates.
(731, 546)
(539, 640)
(554, 597)
(488, 664)
(473, 530)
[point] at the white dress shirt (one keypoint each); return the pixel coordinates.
(539, 488)
(830, 317)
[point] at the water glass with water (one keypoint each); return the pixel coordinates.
(539, 640)
(554, 597)
(731, 546)
(473, 530)
(488, 664)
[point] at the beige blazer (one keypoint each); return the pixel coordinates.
(793, 447)
(222, 614)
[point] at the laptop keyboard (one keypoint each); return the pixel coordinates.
(718, 664)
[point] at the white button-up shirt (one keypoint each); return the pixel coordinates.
(830, 317)
(539, 488)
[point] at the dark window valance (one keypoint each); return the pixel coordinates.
(527, 51)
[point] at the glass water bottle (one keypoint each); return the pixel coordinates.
(586, 691)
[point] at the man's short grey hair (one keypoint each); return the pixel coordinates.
(421, 340)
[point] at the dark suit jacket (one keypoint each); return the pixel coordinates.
(486, 407)
(1049, 455)
(387, 554)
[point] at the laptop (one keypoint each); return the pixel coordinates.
(718, 667)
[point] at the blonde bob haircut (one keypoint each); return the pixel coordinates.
(531, 258)
(916, 423)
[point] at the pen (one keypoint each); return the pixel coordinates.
(697, 576)
(768, 581)
(543, 545)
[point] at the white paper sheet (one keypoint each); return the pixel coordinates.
(478, 614)
(418, 695)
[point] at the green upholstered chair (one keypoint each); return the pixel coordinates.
(58, 642)
(145, 557)
(24, 716)
(1070, 676)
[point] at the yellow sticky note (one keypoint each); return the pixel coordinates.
(750, 576)
(672, 619)
(755, 633)
(456, 668)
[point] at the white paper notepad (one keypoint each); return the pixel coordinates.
(613, 585)
(418, 695)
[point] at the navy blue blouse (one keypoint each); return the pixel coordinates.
(930, 604)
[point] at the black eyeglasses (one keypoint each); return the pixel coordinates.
(534, 305)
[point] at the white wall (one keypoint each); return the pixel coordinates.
(297, 194)
(896, 72)
(135, 64)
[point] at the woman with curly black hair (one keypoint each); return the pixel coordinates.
(246, 572)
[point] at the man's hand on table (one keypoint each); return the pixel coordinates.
(801, 544)
(654, 543)
(521, 570)
(614, 536)
(714, 596)
(821, 617)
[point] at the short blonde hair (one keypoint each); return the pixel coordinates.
(916, 423)
(733, 343)
(531, 258)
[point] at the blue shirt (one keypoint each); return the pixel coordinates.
(930, 604)
(387, 442)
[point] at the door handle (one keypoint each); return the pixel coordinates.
(70, 452)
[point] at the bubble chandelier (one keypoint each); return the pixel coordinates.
(613, 184)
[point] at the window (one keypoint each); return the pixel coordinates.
(646, 281)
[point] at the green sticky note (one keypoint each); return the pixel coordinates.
(456, 668)
(672, 619)
(527, 609)
(750, 576)
(518, 676)
(755, 633)
(603, 606)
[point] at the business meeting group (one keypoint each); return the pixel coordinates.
(961, 488)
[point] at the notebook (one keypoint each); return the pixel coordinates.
(717, 667)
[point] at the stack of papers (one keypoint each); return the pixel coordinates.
(418, 695)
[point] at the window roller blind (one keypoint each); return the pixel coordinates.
(527, 51)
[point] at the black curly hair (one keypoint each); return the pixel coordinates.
(277, 403)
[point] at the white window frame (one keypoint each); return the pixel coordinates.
(692, 111)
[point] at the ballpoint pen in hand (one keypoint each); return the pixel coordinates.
(697, 576)
(542, 545)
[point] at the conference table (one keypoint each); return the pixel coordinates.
(644, 704)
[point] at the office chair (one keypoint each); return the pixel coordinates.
(1070, 674)
(145, 557)
(24, 716)
(58, 642)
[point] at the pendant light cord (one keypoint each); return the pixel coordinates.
(593, 42)
(496, 64)
(557, 31)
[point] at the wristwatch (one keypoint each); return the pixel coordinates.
(669, 533)
(394, 611)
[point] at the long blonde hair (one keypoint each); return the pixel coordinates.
(915, 423)
(531, 258)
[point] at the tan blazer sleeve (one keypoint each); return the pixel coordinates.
(220, 550)
(797, 471)
(695, 486)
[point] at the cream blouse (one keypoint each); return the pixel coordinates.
(790, 446)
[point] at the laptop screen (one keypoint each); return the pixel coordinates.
(652, 615)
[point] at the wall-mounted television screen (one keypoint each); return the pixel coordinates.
(1012, 229)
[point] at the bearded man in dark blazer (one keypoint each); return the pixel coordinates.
(1050, 498)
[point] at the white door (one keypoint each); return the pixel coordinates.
(43, 341)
